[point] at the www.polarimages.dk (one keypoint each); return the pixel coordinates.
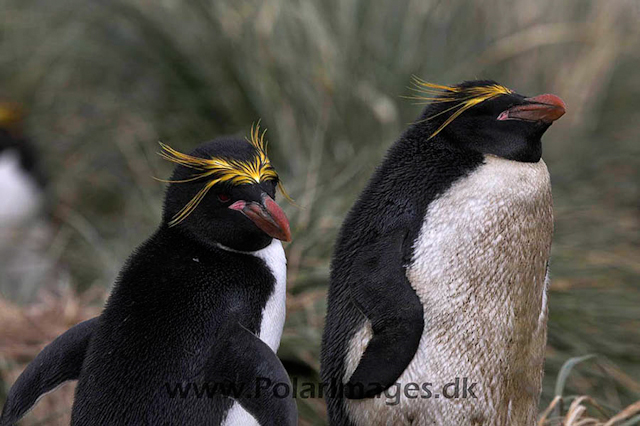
(456, 389)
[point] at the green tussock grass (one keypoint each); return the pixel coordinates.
(104, 81)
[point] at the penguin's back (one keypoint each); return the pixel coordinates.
(479, 267)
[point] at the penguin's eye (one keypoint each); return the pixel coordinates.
(223, 197)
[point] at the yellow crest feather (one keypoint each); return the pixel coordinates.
(464, 97)
(10, 113)
(223, 170)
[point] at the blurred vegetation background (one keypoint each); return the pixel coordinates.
(103, 81)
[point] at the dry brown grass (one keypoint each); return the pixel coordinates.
(27, 330)
(578, 414)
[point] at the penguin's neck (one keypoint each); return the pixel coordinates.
(242, 244)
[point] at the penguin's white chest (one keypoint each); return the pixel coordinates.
(273, 316)
(274, 312)
(479, 268)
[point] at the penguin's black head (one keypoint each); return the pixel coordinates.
(486, 117)
(224, 191)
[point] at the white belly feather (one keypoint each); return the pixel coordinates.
(21, 197)
(274, 313)
(273, 316)
(479, 268)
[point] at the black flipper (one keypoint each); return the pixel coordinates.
(60, 361)
(246, 362)
(385, 296)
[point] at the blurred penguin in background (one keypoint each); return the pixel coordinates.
(20, 181)
(24, 231)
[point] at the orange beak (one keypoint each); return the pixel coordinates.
(545, 108)
(268, 216)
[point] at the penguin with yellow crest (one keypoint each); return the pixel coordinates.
(439, 274)
(189, 333)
